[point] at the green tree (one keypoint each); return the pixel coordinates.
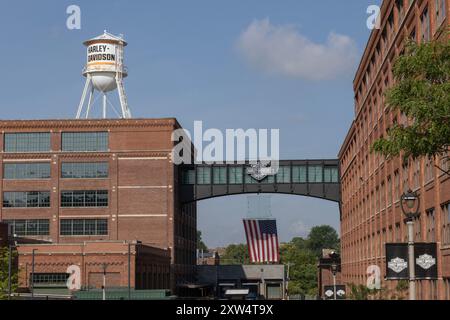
(322, 237)
(303, 269)
(4, 263)
(421, 93)
(200, 244)
(235, 254)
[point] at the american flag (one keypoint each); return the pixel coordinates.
(262, 239)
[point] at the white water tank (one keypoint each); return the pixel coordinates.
(104, 61)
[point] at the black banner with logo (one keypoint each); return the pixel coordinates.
(425, 261)
(329, 292)
(397, 261)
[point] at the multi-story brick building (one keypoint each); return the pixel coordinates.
(372, 185)
(73, 181)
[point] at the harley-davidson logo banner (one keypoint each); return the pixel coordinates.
(425, 261)
(397, 261)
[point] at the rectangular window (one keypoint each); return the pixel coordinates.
(284, 174)
(28, 199)
(445, 223)
(27, 142)
(84, 227)
(85, 141)
(299, 174)
(425, 26)
(400, 9)
(441, 11)
(50, 279)
(220, 175)
(331, 174)
(315, 174)
(188, 177)
(429, 169)
(37, 227)
(84, 170)
(235, 175)
(23, 171)
(431, 226)
(84, 198)
(203, 175)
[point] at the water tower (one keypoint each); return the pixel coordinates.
(104, 72)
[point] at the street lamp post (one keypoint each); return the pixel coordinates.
(410, 203)
(334, 268)
(104, 281)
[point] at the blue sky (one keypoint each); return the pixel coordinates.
(232, 64)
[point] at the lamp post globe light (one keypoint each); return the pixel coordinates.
(410, 203)
(334, 256)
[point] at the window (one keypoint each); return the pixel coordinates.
(405, 177)
(400, 9)
(315, 174)
(429, 169)
(27, 142)
(83, 198)
(331, 174)
(425, 26)
(299, 174)
(84, 170)
(446, 224)
(284, 174)
(389, 191)
(220, 175)
(235, 175)
(441, 12)
(417, 229)
(431, 226)
(84, 141)
(22, 171)
(84, 227)
(445, 163)
(416, 174)
(29, 227)
(188, 176)
(397, 185)
(50, 279)
(203, 175)
(29, 199)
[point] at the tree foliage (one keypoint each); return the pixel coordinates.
(235, 254)
(322, 237)
(422, 94)
(200, 244)
(4, 263)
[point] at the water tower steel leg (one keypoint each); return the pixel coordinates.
(83, 96)
(104, 105)
(91, 96)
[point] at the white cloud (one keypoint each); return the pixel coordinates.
(283, 50)
(298, 229)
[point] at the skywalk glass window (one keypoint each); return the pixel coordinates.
(30, 199)
(84, 198)
(84, 170)
(84, 227)
(220, 175)
(284, 174)
(235, 175)
(188, 176)
(203, 175)
(331, 174)
(27, 142)
(26, 171)
(315, 174)
(85, 141)
(299, 174)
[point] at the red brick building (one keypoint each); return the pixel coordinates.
(75, 181)
(148, 267)
(372, 185)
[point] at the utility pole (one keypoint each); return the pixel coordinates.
(104, 281)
